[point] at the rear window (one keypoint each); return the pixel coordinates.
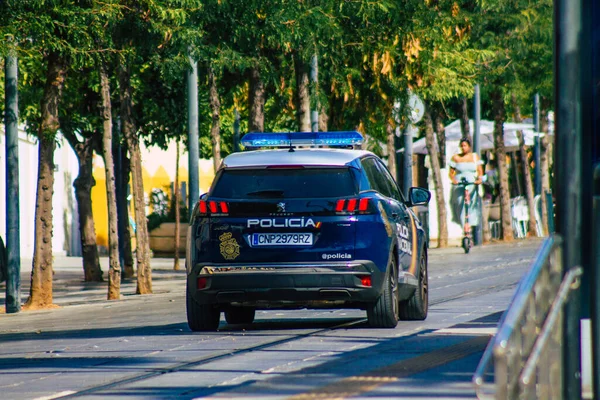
(285, 183)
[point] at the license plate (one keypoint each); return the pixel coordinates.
(282, 239)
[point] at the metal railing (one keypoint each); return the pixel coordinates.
(525, 357)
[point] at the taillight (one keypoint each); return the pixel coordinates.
(362, 206)
(366, 280)
(202, 282)
(351, 205)
(212, 207)
(224, 207)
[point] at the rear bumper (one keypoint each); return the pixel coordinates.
(287, 285)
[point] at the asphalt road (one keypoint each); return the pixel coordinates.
(141, 347)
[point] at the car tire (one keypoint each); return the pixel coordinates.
(239, 315)
(416, 307)
(384, 312)
(201, 317)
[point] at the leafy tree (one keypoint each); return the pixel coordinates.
(60, 33)
(423, 46)
(494, 31)
(145, 27)
(519, 33)
(533, 61)
(444, 71)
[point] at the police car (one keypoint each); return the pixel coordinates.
(296, 227)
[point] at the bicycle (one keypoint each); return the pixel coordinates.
(467, 240)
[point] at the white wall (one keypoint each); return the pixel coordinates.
(63, 199)
(65, 240)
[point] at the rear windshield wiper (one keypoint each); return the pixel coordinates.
(266, 193)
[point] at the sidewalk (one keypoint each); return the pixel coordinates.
(70, 289)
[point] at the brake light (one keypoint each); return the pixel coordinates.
(366, 280)
(353, 205)
(224, 207)
(212, 207)
(201, 283)
(363, 205)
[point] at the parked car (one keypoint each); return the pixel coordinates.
(305, 228)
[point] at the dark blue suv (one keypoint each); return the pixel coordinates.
(306, 228)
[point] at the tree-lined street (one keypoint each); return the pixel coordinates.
(118, 73)
(141, 347)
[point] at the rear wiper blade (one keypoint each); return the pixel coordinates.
(266, 193)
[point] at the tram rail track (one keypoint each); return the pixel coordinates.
(207, 359)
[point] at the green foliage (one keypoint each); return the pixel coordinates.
(164, 210)
(369, 54)
(520, 35)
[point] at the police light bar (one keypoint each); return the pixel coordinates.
(291, 139)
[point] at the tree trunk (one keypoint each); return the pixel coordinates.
(486, 234)
(144, 272)
(505, 207)
(114, 260)
(256, 97)
(83, 185)
(128, 271)
(437, 181)
(529, 192)
(515, 189)
(441, 137)
(176, 201)
(391, 148)
(323, 121)
(215, 108)
(464, 120)
(40, 294)
(532, 225)
(302, 95)
(545, 146)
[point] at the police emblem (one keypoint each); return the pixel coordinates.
(230, 249)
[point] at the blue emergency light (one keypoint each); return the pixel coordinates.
(291, 139)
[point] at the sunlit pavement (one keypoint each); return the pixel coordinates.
(141, 347)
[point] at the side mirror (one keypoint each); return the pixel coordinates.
(418, 196)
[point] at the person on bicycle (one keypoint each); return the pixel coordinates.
(465, 167)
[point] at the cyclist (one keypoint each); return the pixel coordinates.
(465, 167)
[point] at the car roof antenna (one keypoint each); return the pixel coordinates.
(291, 147)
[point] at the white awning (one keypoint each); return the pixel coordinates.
(486, 138)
